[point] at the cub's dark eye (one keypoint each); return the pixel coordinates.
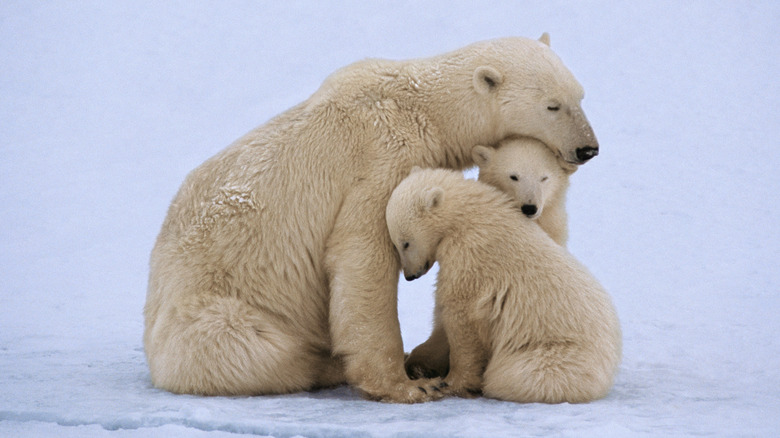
(513, 177)
(545, 178)
(553, 108)
(405, 245)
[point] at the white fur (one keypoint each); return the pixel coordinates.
(274, 272)
(529, 172)
(524, 320)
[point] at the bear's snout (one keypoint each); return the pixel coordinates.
(528, 209)
(586, 153)
(420, 273)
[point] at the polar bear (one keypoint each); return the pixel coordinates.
(537, 180)
(274, 271)
(525, 320)
(531, 174)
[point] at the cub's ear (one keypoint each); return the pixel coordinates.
(545, 39)
(487, 79)
(482, 155)
(432, 198)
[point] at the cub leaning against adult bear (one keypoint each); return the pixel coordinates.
(537, 181)
(274, 272)
(516, 307)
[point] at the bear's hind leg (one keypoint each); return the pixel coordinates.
(223, 346)
(331, 373)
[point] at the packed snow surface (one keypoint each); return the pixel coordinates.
(106, 106)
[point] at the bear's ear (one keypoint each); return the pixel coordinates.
(545, 39)
(481, 155)
(432, 198)
(487, 79)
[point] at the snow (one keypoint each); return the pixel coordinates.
(107, 105)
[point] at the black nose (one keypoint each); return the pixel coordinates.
(586, 153)
(528, 209)
(410, 277)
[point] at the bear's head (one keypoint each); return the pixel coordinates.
(413, 224)
(534, 95)
(526, 170)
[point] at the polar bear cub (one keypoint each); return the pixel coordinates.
(537, 179)
(528, 171)
(525, 320)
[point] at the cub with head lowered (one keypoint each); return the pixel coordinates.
(537, 180)
(525, 320)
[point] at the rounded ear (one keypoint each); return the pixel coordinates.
(432, 198)
(487, 79)
(545, 39)
(481, 155)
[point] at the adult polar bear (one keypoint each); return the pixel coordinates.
(274, 271)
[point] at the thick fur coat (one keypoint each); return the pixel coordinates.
(531, 174)
(274, 272)
(525, 320)
(537, 181)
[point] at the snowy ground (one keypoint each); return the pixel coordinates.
(107, 105)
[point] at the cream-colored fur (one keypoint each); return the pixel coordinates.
(525, 320)
(274, 271)
(529, 172)
(532, 175)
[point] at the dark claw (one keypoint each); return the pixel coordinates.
(444, 385)
(436, 389)
(422, 389)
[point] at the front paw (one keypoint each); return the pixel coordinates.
(410, 391)
(464, 388)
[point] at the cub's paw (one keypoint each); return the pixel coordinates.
(425, 368)
(462, 388)
(410, 391)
